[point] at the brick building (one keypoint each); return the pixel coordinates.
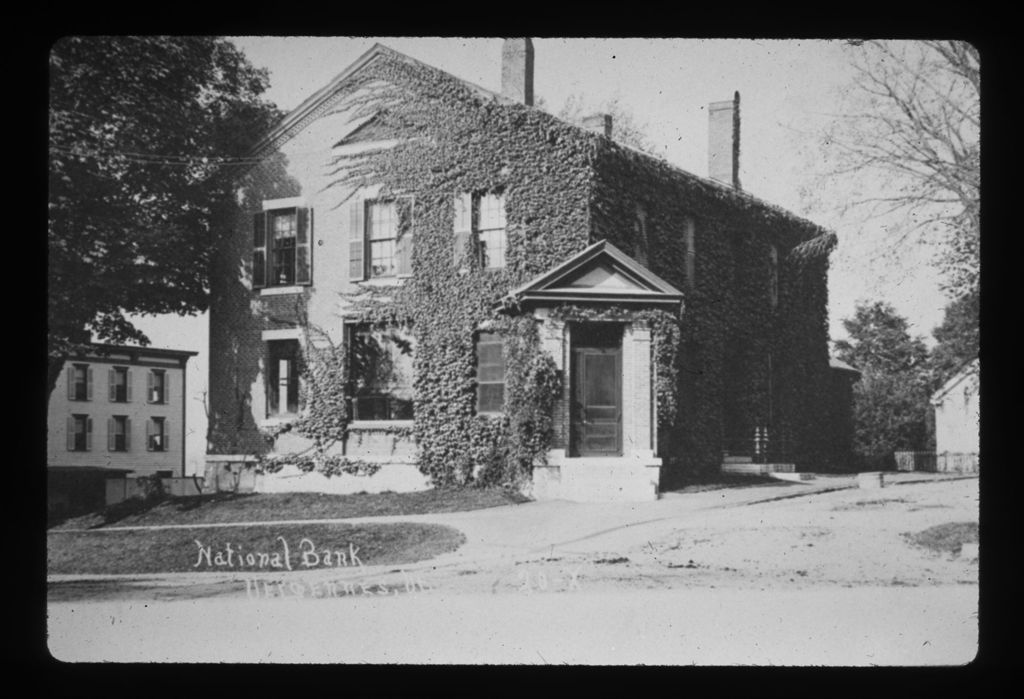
(400, 218)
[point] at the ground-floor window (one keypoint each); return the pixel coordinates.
(380, 372)
(283, 368)
(490, 374)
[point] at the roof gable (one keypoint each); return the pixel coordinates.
(600, 273)
(969, 370)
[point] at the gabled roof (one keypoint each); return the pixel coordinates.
(600, 273)
(969, 369)
(316, 102)
(297, 117)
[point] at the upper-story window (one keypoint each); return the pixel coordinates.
(480, 227)
(490, 373)
(119, 433)
(79, 382)
(282, 254)
(79, 433)
(156, 390)
(690, 247)
(381, 238)
(156, 434)
(119, 382)
(773, 275)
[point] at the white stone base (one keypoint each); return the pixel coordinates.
(396, 478)
(631, 478)
(747, 468)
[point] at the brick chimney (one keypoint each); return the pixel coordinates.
(599, 123)
(724, 141)
(517, 70)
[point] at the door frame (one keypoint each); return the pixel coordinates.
(578, 353)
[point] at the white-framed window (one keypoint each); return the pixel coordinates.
(284, 366)
(119, 384)
(79, 382)
(79, 433)
(282, 254)
(119, 433)
(156, 386)
(490, 373)
(380, 372)
(156, 434)
(381, 238)
(480, 227)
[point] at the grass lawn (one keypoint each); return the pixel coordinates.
(274, 507)
(946, 538)
(206, 549)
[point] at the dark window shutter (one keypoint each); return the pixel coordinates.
(150, 431)
(356, 243)
(88, 434)
(259, 250)
(463, 226)
(303, 246)
(71, 434)
(165, 438)
(150, 385)
(110, 434)
(127, 434)
(71, 381)
(165, 394)
(88, 383)
(111, 385)
(128, 385)
(406, 239)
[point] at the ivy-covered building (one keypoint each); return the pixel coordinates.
(423, 274)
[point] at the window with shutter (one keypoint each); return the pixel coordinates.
(79, 388)
(259, 250)
(120, 384)
(406, 238)
(490, 374)
(357, 242)
(79, 429)
(156, 386)
(156, 434)
(491, 233)
(463, 204)
(119, 433)
(303, 246)
(283, 234)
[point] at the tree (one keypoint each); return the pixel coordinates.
(891, 400)
(957, 337)
(908, 146)
(625, 128)
(145, 134)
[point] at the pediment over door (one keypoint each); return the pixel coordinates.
(601, 273)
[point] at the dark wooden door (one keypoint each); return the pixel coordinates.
(597, 401)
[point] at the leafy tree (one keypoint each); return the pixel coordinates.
(145, 135)
(957, 337)
(908, 147)
(891, 410)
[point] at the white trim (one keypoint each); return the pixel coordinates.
(370, 425)
(281, 334)
(288, 203)
(281, 290)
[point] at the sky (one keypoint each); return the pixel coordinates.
(789, 89)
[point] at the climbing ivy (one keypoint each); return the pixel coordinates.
(563, 188)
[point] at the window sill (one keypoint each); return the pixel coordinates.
(370, 425)
(281, 290)
(384, 281)
(278, 420)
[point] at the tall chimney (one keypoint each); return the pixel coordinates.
(517, 70)
(599, 123)
(724, 141)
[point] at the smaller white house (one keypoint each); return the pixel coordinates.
(957, 413)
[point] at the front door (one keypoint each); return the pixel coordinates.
(597, 398)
